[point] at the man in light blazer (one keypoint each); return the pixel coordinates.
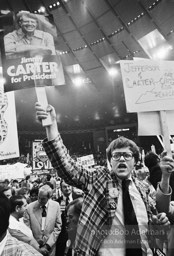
(9, 245)
(44, 219)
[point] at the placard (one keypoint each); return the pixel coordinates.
(9, 147)
(148, 85)
(31, 56)
(27, 72)
(40, 158)
(87, 160)
(13, 171)
(149, 123)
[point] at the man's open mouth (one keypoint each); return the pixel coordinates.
(122, 166)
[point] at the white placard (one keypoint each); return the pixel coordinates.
(149, 123)
(148, 85)
(9, 147)
(87, 160)
(14, 171)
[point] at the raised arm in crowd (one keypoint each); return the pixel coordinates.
(116, 205)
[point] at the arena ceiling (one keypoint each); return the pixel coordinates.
(95, 34)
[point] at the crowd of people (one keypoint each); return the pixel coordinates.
(120, 214)
(37, 215)
(124, 208)
(84, 211)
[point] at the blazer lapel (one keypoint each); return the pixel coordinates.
(113, 198)
(38, 213)
(50, 211)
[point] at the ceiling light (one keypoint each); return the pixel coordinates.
(42, 9)
(113, 72)
(161, 52)
(77, 69)
(121, 130)
(78, 81)
(96, 116)
(155, 45)
(77, 118)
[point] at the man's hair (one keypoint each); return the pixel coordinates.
(77, 204)
(26, 14)
(22, 191)
(62, 181)
(4, 213)
(151, 159)
(15, 181)
(34, 190)
(49, 184)
(27, 177)
(6, 181)
(122, 142)
(14, 201)
(47, 190)
(48, 177)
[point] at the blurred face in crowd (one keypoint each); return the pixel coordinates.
(28, 25)
(43, 198)
(33, 197)
(22, 208)
(122, 162)
(66, 189)
(8, 193)
(72, 221)
(6, 183)
(16, 184)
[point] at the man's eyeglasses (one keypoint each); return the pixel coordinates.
(127, 156)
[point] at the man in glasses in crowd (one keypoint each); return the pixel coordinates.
(117, 208)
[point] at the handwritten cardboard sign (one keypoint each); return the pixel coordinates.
(148, 85)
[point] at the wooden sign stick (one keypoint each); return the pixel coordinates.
(42, 99)
(165, 131)
(41, 96)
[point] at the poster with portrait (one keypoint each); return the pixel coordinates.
(9, 147)
(31, 55)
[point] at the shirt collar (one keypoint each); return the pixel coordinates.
(70, 197)
(119, 181)
(46, 205)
